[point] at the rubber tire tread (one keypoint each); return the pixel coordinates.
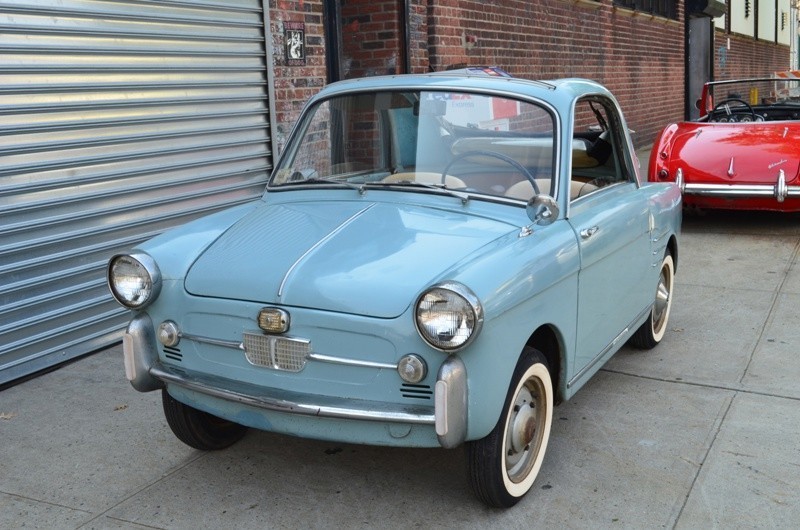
(643, 338)
(199, 429)
(487, 487)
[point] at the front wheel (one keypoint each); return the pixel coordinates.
(503, 465)
(652, 331)
(199, 429)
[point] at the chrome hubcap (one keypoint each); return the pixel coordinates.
(662, 299)
(524, 430)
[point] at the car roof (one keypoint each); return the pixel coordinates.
(557, 92)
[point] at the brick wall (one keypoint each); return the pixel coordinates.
(747, 57)
(294, 85)
(639, 57)
(372, 37)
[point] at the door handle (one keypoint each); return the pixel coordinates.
(586, 233)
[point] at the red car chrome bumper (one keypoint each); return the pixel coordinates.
(779, 190)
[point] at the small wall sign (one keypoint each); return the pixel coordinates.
(295, 43)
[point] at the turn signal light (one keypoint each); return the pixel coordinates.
(273, 320)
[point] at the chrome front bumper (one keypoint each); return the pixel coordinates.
(449, 415)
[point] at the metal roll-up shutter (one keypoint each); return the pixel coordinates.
(118, 120)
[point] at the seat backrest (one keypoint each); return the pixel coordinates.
(524, 190)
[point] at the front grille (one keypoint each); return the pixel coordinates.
(279, 353)
(416, 391)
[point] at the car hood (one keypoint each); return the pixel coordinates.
(352, 257)
(751, 153)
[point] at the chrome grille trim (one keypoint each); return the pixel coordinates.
(319, 357)
(279, 353)
(216, 342)
(350, 362)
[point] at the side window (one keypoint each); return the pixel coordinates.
(597, 148)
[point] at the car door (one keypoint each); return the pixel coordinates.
(611, 219)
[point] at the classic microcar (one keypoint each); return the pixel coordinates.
(744, 151)
(437, 261)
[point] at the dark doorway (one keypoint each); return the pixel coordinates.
(365, 38)
(699, 60)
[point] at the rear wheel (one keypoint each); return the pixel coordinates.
(503, 465)
(199, 429)
(652, 331)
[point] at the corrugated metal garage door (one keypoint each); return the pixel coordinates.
(117, 121)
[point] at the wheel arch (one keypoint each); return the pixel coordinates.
(549, 342)
(672, 247)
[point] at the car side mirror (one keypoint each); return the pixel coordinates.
(542, 209)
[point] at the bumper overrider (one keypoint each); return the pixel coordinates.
(146, 373)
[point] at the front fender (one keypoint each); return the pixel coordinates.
(491, 360)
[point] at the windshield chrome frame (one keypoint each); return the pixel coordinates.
(303, 122)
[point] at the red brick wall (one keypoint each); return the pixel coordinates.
(294, 85)
(747, 57)
(640, 58)
(372, 38)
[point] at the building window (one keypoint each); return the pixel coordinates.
(662, 8)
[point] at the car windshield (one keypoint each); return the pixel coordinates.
(460, 142)
(754, 99)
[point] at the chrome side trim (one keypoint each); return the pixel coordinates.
(292, 402)
(317, 244)
(600, 356)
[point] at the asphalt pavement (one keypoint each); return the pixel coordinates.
(701, 432)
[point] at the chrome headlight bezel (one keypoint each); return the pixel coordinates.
(462, 309)
(145, 271)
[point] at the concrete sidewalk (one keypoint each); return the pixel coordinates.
(701, 432)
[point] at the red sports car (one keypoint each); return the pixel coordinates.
(744, 151)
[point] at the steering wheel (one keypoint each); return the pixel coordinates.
(500, 156)
(718, 109)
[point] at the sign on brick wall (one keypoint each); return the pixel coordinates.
(295, 43)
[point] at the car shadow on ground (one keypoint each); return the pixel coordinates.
(735, 221)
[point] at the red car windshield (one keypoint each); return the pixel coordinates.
(762, 94)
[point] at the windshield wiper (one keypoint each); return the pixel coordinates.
(360, 188)
(443, 187)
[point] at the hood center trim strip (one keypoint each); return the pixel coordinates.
(318, 244)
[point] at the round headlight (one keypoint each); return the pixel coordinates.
(448, 316)
(134, 280)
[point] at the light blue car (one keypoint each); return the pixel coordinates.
(437, 260)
